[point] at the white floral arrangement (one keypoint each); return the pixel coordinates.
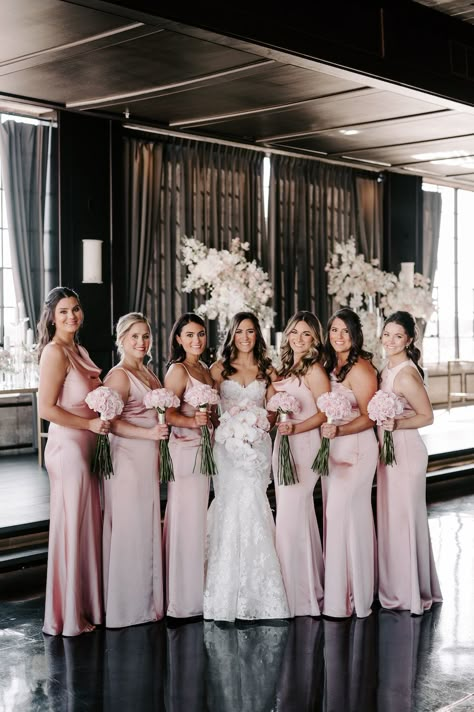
(352, 281)
(373, 293)
(230, 282)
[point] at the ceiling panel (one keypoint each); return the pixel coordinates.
(191, 82)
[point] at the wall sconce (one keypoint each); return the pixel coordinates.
(92, 261)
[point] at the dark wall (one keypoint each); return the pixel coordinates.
(403, 221)
(84, 213)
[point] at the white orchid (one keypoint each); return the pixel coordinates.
(230, 282)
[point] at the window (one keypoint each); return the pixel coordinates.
(450, 332)
(7, 290)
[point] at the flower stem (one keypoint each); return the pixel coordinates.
(321, 461)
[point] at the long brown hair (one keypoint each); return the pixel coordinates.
(354, 327)
(177, 354)
(314, 354)
(229, 350)
(46, 326)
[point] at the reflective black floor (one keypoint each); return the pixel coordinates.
(389, 662)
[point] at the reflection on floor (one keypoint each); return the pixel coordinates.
(389, 662)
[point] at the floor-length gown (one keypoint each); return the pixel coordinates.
(133, 572)
(74, 578)
(407, 572)
(349, 531)
(243, 576)
(184, 529)
(298, 541)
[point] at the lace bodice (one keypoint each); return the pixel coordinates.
(233, 392)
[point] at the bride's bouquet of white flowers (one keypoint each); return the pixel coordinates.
(241, 427)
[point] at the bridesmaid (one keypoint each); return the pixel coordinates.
(407, 573)
(67, 374)
(133, 579)
(298, 541)
(349, 532)
(188, 496)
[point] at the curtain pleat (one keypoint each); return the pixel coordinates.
(313, 205)
(431, 226)
(25, 152)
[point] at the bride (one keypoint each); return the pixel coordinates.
(243, 577)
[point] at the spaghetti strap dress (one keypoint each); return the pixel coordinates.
(74, 575)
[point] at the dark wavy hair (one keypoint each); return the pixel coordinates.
(177, 354)
(408, 324)
(352, 322)
(314, 355)
(229, 350)
(46, 326)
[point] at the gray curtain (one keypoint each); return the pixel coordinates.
(142, 176)
(213, 193)
(431, 226)
(29, 175)
(312, 205)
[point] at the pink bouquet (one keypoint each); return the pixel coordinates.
(200, 397)
(160, 399)
(109, 404)
(383, 406)
(336, 407)
(283, 403)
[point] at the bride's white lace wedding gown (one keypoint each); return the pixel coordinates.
(243, 577)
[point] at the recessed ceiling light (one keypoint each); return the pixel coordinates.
(348, 132)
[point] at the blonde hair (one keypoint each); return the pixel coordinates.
(314, 353)
(124, 325)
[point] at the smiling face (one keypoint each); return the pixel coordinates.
(339, 336)
(136, 341)
(245, 336)
(68, 317)
(395, 339)
(301, 338)
(193, 339)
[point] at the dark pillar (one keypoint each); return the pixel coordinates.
(403, 222)
(84, 213)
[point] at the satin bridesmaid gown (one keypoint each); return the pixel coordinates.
(184, 530)
(349, 530)
(298, 542)
(407, 572)
(74, 578)
(133, 578)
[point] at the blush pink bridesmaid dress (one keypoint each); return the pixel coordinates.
(133, 577)
(74, 578)
(349, 530)
(407, 572)
(184, 529)
(298, 542)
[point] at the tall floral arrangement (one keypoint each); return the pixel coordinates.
(228, 280)
(373, 293)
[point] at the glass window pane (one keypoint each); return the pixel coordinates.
(9, 299)
(7, 259)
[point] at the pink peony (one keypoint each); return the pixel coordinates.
(335, 406)
(284, 403)
(202, 395)
(161, 398)
(383, 406)
(105, 401)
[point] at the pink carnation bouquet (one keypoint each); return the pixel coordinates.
(160, 399)
(336, 407)
(201, 397)
(383, 406)
(283, 403)
(109, 404)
